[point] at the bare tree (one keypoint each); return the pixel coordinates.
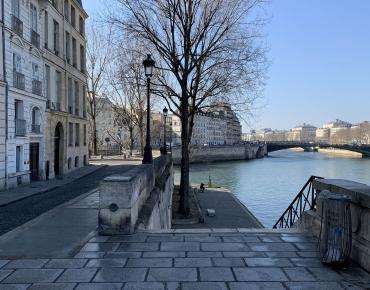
(98, 57)
(206, 51)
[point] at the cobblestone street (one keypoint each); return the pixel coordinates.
(183, 259)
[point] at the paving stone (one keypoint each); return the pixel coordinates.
(99, 286)
(299, 274)
(309, 254)
(25, 264)
(111, 275)
(259, 274)
(298, 239)
(172, 274)
(282, 254)
(144, 286)
(53, 286)
(325, 274)
(134, 247)
(33, 276)
(355, 274)
(228, 262)
(204, 286)
(184, 246)
(65, 263)
(204, 254)
(306, 246)
(216, 274)
(14, 286)
(77, 275)
(256, 286)
(268, 262)
(173, 286)
(100, 247)
(272, 247)
(120, 255)
(3, 262)
(244, 254)
(204, 239)
(99, 239)
(165, 239)
(313, 285)
(306, 262)
(193, 262)
(162, 254)
(224, 247)
(270, 239)
(106, 263)
(89, 255)
(150, 262)
(4, 274)
(355, 285)
(137, 238)
(241, 239)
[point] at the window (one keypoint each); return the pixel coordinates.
(73, 16)
(81, 25)
(47, 81)
(35, 71)
(56, 37)
(76, 161)
(17, 63)
(74, 52)
(15, 8)
(33, 13)
(69, 162)
(77, 132)
(70, 96)
(84, 101)
(68, 47)
(18, 77)
(46, 29)
(36, 116)
(19, 158)
(66, 9)
(82, 58)
(70, 134)
(58, 86)
(77, 98)
(85, 134)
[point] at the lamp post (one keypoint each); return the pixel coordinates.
(148, 64)
(165, 112)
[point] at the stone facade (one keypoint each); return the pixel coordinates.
(302, 133)
(2, 107)
(44, 73)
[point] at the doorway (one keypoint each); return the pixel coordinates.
(34, 161)
(58, 150)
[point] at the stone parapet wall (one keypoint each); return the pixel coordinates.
(360, 215)
(199, 154)
(139, 199)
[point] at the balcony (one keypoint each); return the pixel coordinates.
(53, 106)
(35, 38)
(20, 127)
(17, 25)
(37, 87)
(18, 80)
(35, 129)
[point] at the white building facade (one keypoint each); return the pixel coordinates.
(37, 72)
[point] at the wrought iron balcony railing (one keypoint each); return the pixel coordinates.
(18, 80)
(35, 128)
(37, 87)
(20, 127)
(53, 106)
(17, 25)
(35, 38)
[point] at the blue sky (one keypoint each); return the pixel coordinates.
(320, 53)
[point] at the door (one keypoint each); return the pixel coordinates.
(34, 161)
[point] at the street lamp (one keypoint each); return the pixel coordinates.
(148, 64)
(165, 112)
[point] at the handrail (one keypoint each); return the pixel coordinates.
(302, 202)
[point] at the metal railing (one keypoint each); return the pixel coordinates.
(17, 25)
(20, 127)
(37, 87)
(35, 128)
(35, 38)
(18, 80)
(305, 200)
(53, 106)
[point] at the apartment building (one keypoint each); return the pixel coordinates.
(37, 72)
(2, 105)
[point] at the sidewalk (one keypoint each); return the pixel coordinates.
(38, 187)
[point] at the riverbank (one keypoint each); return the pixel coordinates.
(229, 211)
(340, 152)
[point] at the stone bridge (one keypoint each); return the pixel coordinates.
(275, 146)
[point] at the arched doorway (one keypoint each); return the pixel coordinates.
(58, 150)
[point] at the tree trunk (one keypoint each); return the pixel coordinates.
(142, 140)
(95, 141)
(184, 179)
(131, 130)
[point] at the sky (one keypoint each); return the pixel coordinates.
(320, 62)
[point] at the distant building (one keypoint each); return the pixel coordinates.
(303, 133)
(323, 135)
(337, 124)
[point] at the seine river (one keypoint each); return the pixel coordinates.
(267, 186)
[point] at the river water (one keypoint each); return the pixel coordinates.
(267, 186)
